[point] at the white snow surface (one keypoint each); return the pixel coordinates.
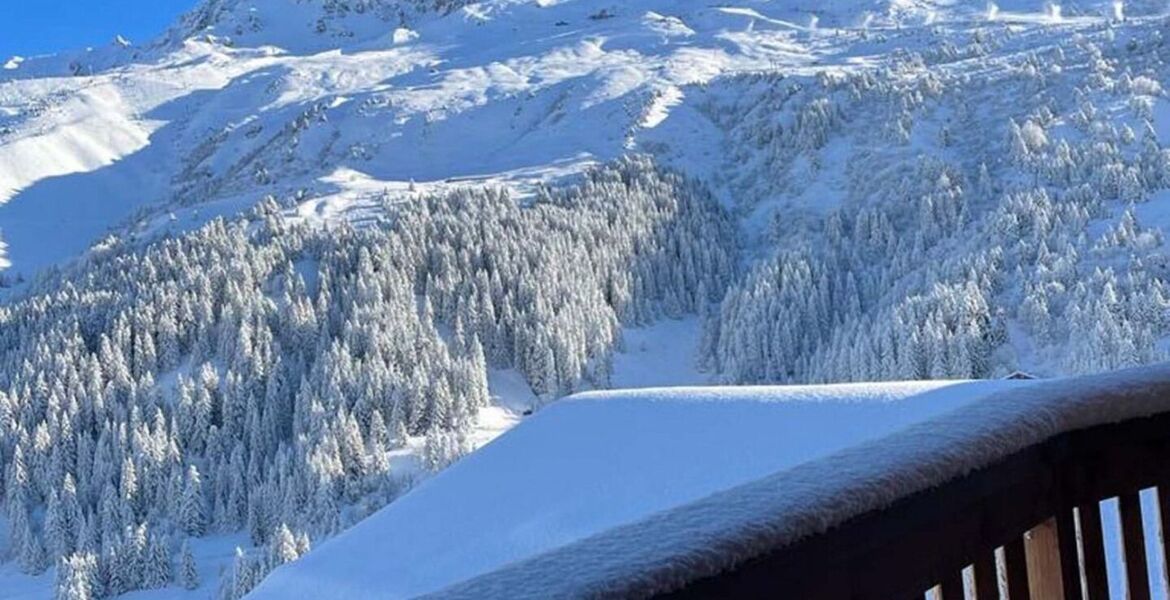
(336, 106)
(597, 461)
(669, 548)
(248, 98)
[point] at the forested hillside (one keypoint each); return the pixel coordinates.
(268, 271)
(202, 384)
(985, 224)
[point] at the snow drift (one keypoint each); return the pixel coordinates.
(596, 462)
(670, 548)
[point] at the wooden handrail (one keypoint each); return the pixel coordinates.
(1039, 507)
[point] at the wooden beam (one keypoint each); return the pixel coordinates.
(926, 537)
(1042, 548)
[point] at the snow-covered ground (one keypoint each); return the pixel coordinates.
(662, 354)
(655, 553)
(597, 461)
(339, 116)
(213, 556)
(601, 460)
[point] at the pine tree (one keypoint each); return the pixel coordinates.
(33, 557)
(88, 540)
(76, 578)
(71, 515)
(303, 544)
(156, 564)
(58, 538)
(17, 485)
(283, 546)
(243, 575)
(129, 487)
(116, 569)
(188, 572)
(479, 376)
(27, 544)
(134, 557)
(192, 511)
(258, 518)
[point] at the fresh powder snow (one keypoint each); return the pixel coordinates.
(597, 461)
(307, 253)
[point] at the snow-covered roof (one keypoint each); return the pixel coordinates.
(667, 549)
(607, 465)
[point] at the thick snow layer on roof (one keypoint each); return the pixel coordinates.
(599, 461)
(670, 548)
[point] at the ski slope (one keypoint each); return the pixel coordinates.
(597, 461)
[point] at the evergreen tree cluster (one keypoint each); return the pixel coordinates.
(255, 375)
(981, 216)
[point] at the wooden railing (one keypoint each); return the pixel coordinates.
(1029, 526)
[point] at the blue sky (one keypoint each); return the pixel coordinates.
(29, 27)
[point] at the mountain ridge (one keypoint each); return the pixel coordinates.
(289, 203)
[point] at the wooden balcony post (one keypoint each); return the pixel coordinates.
(926, 540)
(1042, 547)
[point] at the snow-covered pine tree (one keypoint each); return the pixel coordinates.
(192, 512)
(283, 547)
(158, 570)
(77, 578)
(188, 571)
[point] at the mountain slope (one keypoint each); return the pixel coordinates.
(496, 92)
(428, 218)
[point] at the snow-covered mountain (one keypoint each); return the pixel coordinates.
(314, 249)
(328, 103)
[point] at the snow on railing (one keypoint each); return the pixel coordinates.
(1008, 489)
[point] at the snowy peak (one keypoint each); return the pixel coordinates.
(313, 25)
(860, 13)
(303, 24)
